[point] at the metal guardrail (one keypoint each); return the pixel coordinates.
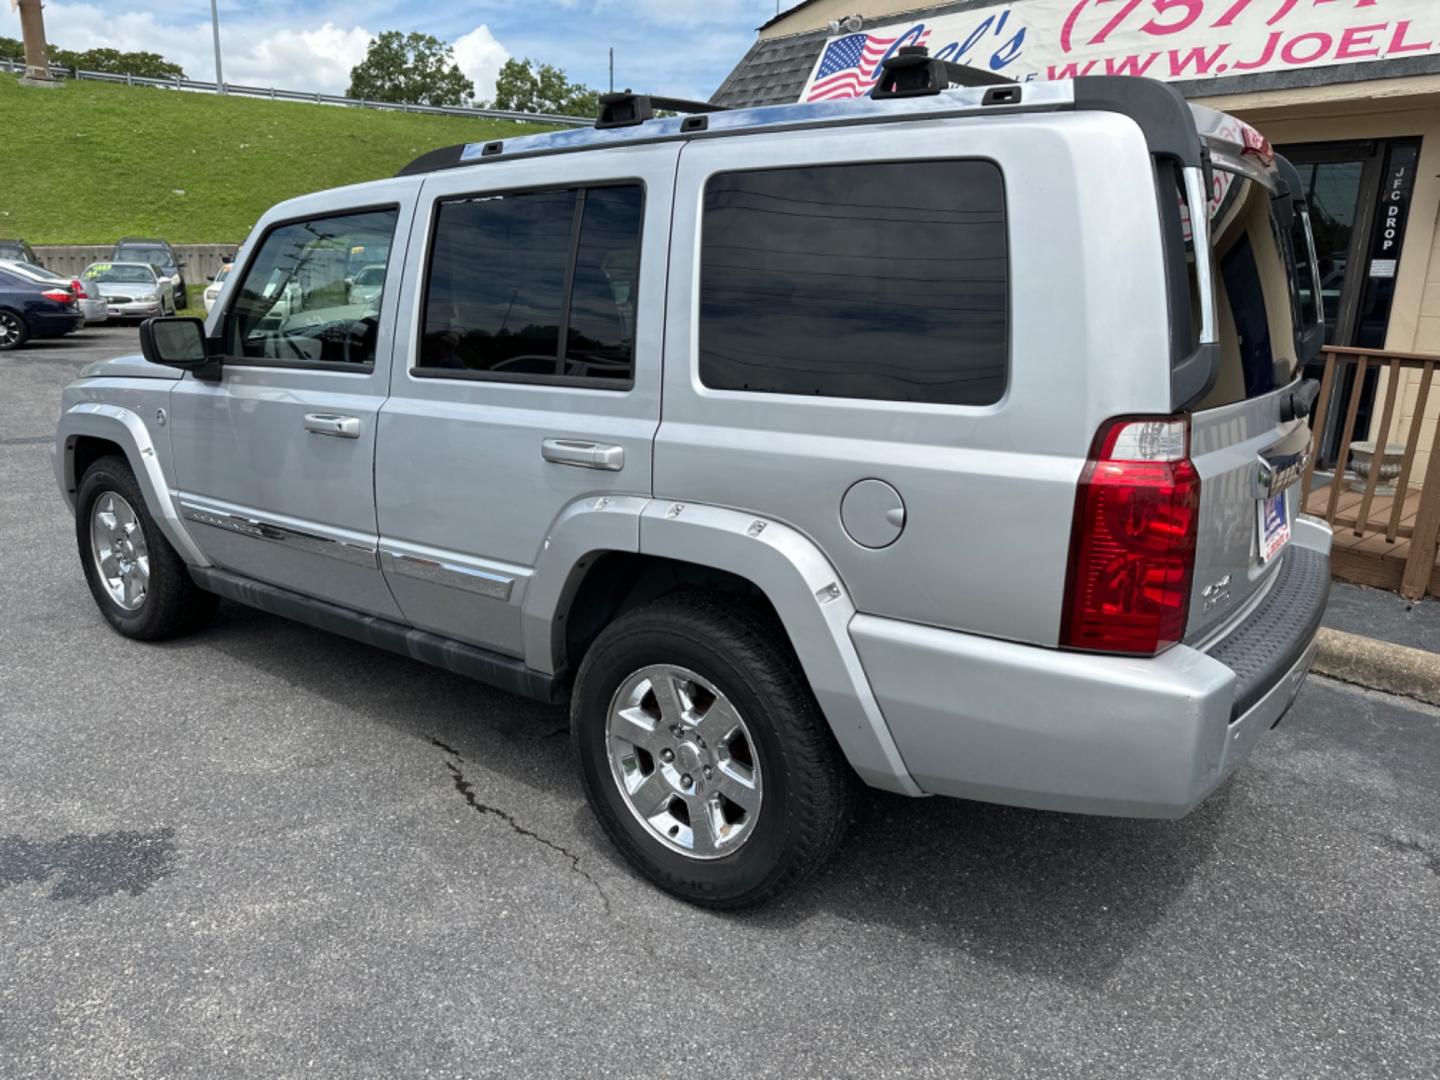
(273, 94)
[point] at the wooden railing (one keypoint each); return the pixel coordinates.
(1386, 526)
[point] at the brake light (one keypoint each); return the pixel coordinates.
(1132, 542)
(78, 288)
(60, 296)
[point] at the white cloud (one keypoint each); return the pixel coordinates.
(480, 57)
(296, 60)
(254, 54)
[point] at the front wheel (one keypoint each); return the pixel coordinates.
(704, 754)
(139, 582)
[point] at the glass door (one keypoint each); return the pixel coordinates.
(1359, 195)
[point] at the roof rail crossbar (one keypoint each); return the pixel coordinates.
(913, 72)
(626, 108)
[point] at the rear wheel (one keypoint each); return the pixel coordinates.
(14, 331)
(704, 754)
(140, 584)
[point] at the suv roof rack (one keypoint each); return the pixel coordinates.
(625, 108)
(913, 72)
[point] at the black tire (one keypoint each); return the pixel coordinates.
(182, 300)
(808, 786)
(14, 330)
(173, 604)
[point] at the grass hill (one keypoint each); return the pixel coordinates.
(90, 162)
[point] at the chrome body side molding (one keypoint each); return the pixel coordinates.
(333, 546)
(452, 575)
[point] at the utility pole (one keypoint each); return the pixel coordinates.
(215, 27)
(612, 69)
(37, 56)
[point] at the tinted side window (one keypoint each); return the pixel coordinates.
(513, 277)
(885, 281)
(296, 302)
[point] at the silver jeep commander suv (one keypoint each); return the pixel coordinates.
(945, 440)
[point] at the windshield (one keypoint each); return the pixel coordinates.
(223, 274)
(371, 275)
(155, 256)
(114, 274)
(11, 251)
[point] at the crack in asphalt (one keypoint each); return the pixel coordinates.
(467, 790)
(1411, 847)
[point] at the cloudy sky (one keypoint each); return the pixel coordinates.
(679, 47)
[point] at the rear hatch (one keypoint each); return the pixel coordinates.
(1245, 444)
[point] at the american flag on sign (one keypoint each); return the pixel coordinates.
(850, 64)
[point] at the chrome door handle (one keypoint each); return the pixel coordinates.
(333, 424)
(583, 455)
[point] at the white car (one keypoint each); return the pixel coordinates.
(212, 291)
(89, 302)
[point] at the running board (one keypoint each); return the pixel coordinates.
(503, 672)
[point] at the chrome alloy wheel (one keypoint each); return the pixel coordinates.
(9, 329)
(684, 761)
(117, 544)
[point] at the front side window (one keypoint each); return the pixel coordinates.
(297, 303)
(885, 281)
(535, 286)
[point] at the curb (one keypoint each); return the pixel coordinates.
(1379, 665)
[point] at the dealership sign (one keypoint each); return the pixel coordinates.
(1162, 39)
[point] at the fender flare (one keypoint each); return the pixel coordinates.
(787, 567)
(585, 529)
(126, 429)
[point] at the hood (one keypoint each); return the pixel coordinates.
(131, 366)
(121, 288)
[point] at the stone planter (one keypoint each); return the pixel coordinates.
(1391, 460)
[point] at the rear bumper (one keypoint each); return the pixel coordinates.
(47, 324)
(1028, 726)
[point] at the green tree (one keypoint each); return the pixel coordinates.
(413, 69)
(527, 86)
(11, 49)
(147, 65)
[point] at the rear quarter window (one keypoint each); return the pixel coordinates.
(887, 281)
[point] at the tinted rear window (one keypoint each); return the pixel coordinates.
(884, 281)
(1257, 293)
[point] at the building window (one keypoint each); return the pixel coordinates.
(883, 281)
(535, 286)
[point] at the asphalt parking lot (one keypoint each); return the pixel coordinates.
(265, 851)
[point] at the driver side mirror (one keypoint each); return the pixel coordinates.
(179, 343)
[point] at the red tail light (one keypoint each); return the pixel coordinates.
(78, 288)
(60, 296)
(1132, 544)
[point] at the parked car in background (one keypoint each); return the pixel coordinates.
(159, 254)
(18, 251)
(92, 305)
(367, 285)
(132, 290)
(212, 291)
(33, 309)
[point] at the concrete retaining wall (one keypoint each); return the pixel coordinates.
(201, 260)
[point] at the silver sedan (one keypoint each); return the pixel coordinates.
(131, 290)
